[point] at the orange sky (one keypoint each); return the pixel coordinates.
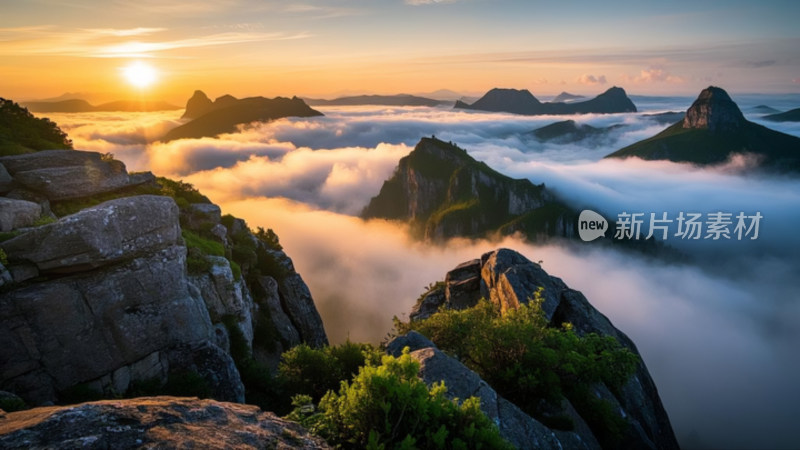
(325, 48)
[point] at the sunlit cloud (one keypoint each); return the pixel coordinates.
(109, 43)
(141, 31)
(654, 75)
(591, 79)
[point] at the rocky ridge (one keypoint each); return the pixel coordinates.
(149, 422)
(151, 286)
(223, 115)
(509, 279)
(515, 101)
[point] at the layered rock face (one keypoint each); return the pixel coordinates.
(103, 299)
(509, 279)
(153, 422)
(443, 192)
(714, 110)
(67, 174)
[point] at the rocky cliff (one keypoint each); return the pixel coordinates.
(509, 279)
(152, 422)
(444, 192)
(614, 100)
(712, 131)
(111, 280)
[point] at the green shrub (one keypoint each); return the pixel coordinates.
(11, 404)
(183, 193)
(261, 387)
(269, 237)
(388, 406)
(206, 246)
(3, 257)
(227, 220)
(314, 372)
(527, 361)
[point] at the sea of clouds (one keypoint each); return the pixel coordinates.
(719, 333)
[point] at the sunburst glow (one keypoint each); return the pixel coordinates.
(140, 74)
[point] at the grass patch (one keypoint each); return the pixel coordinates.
(205, 246)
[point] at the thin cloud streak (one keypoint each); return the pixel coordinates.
(107, 43)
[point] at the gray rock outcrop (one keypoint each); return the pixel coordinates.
(69, 174)
(153, 422)
(715, 110)
(113, 231)
(17, 213)
(509, 279)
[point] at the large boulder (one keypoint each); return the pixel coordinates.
(17, 213)
(153, 422)
(111, 232)
(86, 328)
(69, 174)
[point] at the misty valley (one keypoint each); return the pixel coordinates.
(325, 259)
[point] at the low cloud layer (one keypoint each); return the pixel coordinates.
(718, 334)
(721, 347)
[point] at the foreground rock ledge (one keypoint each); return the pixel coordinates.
(153, 422)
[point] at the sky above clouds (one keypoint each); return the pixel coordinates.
(324, 48)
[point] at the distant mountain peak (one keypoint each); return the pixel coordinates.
(565, 97)
(198, 105)
(714, 110)
(521, 101)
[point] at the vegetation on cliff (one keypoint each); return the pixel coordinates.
(532, 364)
(22, 132)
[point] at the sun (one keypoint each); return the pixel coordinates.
(140, 74)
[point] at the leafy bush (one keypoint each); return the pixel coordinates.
(11, 404)
(314, 372)
(530, 363)
(269, 237)
(388, 406)
(3, 257)
(183, 193)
